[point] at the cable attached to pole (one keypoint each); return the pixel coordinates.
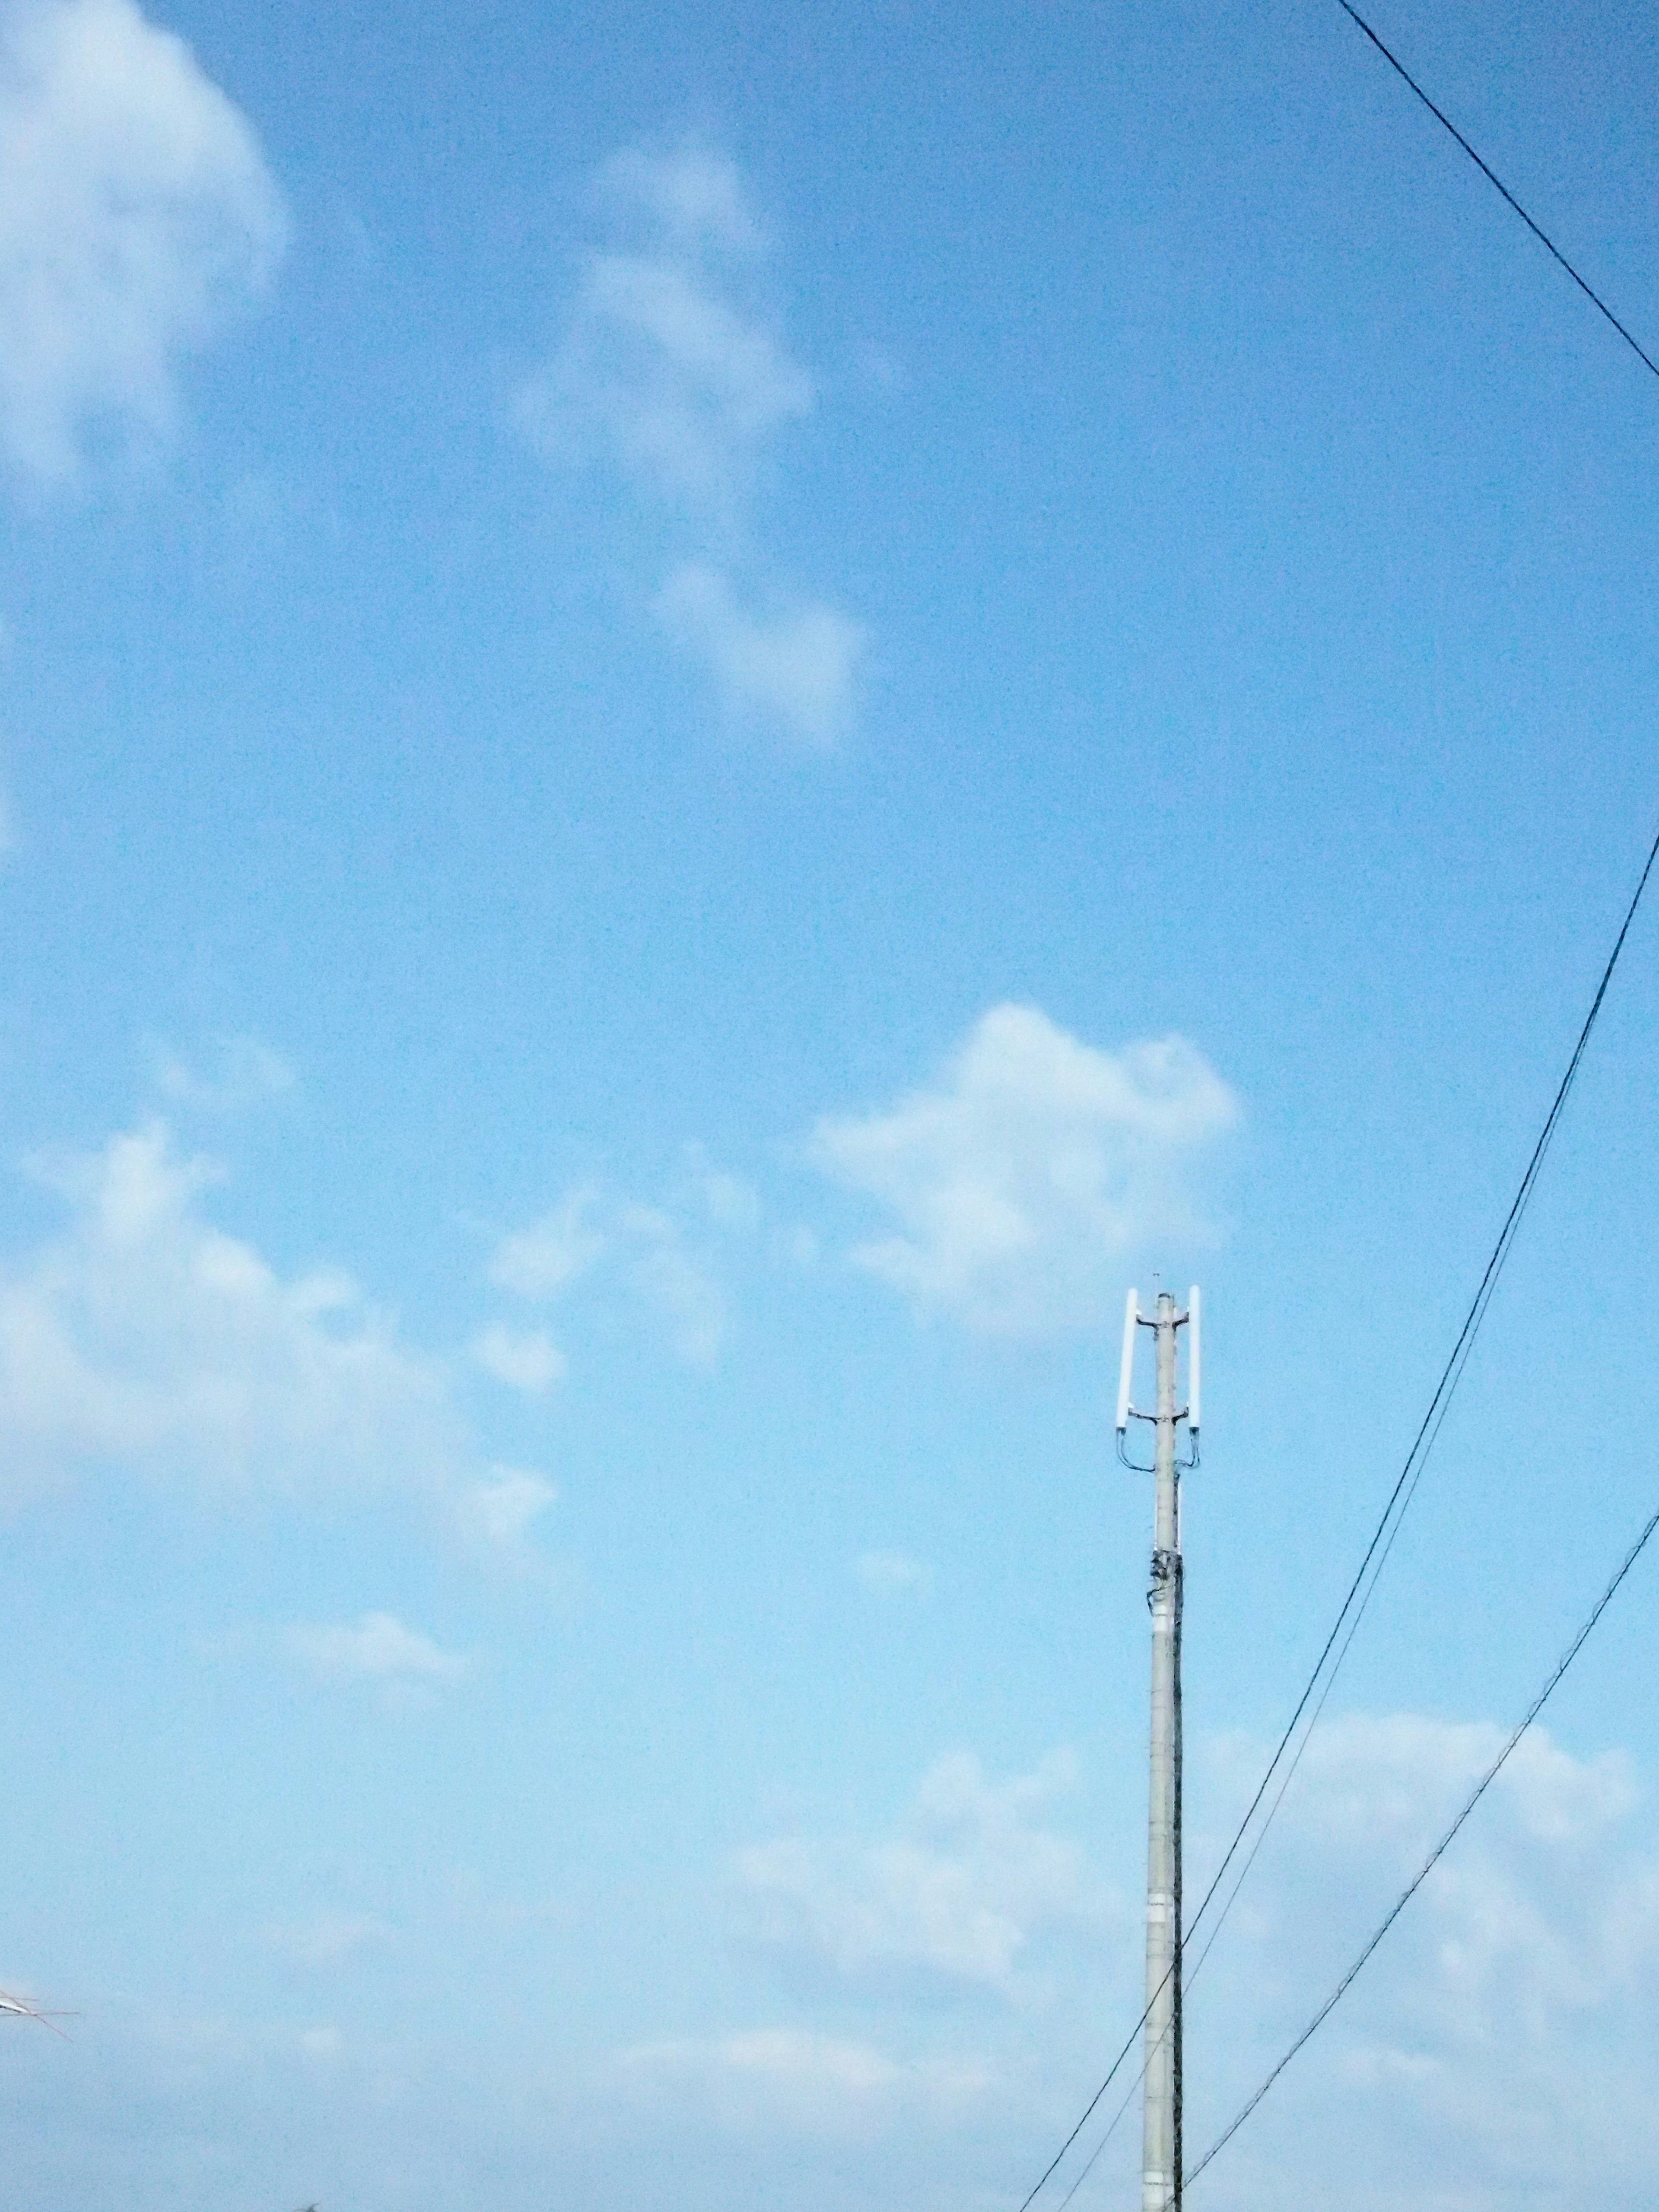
(1400, 1497)
(1411, 1472)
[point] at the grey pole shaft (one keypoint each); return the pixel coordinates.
(1161, 2137)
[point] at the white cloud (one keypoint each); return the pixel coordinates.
(892, 1574)
(729, 1201)
(1385, 1781)
(525, 1359)
(971, 1878)
(694, 198)
(673, 371)
(1510, 2010)
(143, 1335)
(793, 665)
(136, 210)
(805, 2081)
(248, 1070)
(644, 1251)
(377, 1648)
(496, 1513)
(676, 1284)
(329, 1939)
(670, 367)
(537, 1262)
(1035, 1163)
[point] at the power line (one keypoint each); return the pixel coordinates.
(1411, 1472)
(1399, 1500)
(1497, 182)
(1435, 1854)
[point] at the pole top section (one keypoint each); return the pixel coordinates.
(1165, 1316)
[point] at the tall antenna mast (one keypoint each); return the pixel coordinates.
(1160, 2163)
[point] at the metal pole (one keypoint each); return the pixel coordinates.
(1161, 2138)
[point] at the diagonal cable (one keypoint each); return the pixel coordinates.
(1405, 1487)
(1436, 1854)
(1411, 1472)
(1497, 183)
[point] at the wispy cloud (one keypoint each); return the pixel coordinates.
(802, 2081)
(958, 1893)
(794, 665)
(496, 1514)
(403, 1666)
(673, 372)
(328, 1940)
(245, 1069)
(538, 1261)
(893, 1574)
(671, 367)
(647, 1252)
(136, 212)
(1034, 1162)
(525, 1359)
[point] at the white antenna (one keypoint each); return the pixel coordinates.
(1192, 1360)
(1131, 1316)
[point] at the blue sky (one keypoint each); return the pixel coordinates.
(706, 717)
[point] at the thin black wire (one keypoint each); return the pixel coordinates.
(1317, 1714)
(1111, 2129)
(1497, 182)
(1424, 1442)
(1439, 1406)
(1404, 1488)
(1435, 1854)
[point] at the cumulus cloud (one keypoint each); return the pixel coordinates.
(136, 212)
(673, 372)
(1031, 1166)
(794, 665)
(1510, 2007)
(376, 1648)
(972, 1877)
(145, 1336)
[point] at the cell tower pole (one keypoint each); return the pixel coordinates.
(1161, 2139)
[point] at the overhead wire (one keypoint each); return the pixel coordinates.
(1467, 1342)
(1399, 1499)
(1387, 1528)
(1434, 1855)
(1497, 183)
